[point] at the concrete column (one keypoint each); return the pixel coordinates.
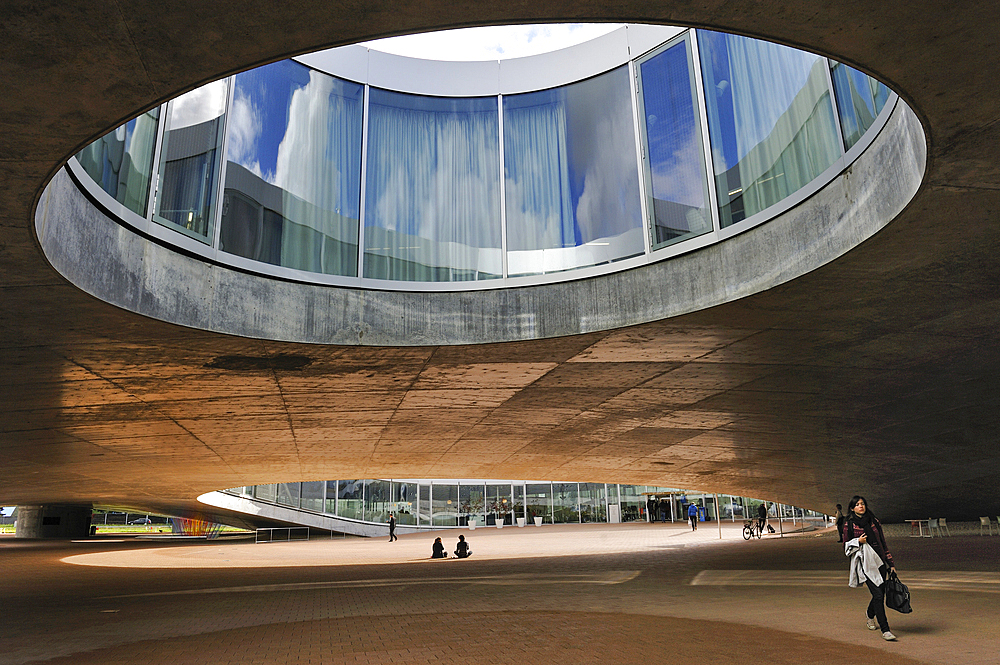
(53, 521)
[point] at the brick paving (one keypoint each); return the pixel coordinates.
(588, 594)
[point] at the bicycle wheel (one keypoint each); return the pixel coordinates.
(760, 530)
(747, 532)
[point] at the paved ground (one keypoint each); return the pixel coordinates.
(564, 594)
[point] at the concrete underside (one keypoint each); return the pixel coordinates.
(876, 373)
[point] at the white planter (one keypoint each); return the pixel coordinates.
(520, 522)
(500, 524)
(538, 521)
(472, 525)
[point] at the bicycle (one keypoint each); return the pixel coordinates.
(751, 528)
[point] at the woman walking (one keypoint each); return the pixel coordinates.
(871, 561)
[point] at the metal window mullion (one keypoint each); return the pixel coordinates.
(362, 199)
(154, 185)
(836, 107)
(503, 192)
(220, 187)
(706, 140)
(641, 156)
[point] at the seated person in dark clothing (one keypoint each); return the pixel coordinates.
(438, 551)
(462, 550)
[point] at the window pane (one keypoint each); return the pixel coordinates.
(854, 102)
(288, 494)
(472, 504)
(518, 501)
(677, 184)
(265, 492)
(424, 505)
(331, 497)
(293, 177)
(189, 161)
(432, 193)
(880, 92)
(404, 502)
(312, 496)
(770, 121)
(565, 503)
(539, 502)
(377, 499)
(349, 498)
(572, 182)
(633, 503)
(498, 505)
(593, 503)
(122, 161)
(444, 505)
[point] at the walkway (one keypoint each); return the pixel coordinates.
(564, 594)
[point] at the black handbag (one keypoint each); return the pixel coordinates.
(897, 596)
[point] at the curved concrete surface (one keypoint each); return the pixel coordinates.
(99, 256)
(873, 373)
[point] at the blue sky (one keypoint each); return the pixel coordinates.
(492, 42)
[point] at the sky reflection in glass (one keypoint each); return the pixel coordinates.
(854, 102)
(432, 193)
(572, 183)
(293, 178)
(770, 120)
(189, 161)
(675, 166)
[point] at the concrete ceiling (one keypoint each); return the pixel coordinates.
(877, 373)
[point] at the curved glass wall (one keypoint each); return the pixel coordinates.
(572, 190)
(676, 181)
(432, 194)
(463, 503)
(292, 194)
(121, 162)
(190, 156)
(860, 99)
(770, 120)
(358, 185)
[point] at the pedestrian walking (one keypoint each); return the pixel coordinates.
(871, 561)
(840, 523)
(392, 527)
(693, 516)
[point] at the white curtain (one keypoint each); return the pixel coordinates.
(785, 131)
(538, 196)
(432, 191)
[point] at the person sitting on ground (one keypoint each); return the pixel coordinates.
(437, 551)
(462, 551)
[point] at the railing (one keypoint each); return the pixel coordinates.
(282, 534)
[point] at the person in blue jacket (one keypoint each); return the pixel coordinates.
(693, 515)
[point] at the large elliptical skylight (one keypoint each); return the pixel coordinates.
(498, 42)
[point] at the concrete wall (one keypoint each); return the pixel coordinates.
(113, 263)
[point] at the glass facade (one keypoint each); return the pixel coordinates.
(441, 503)
(445, 509)
(359, 185)
(572, 189)
(860, 98)
(190, 161)
(350, 502)
(676, 180)
(292, 194)
(312, 495)
(122, 161)
(433, 188)
(770, 120)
